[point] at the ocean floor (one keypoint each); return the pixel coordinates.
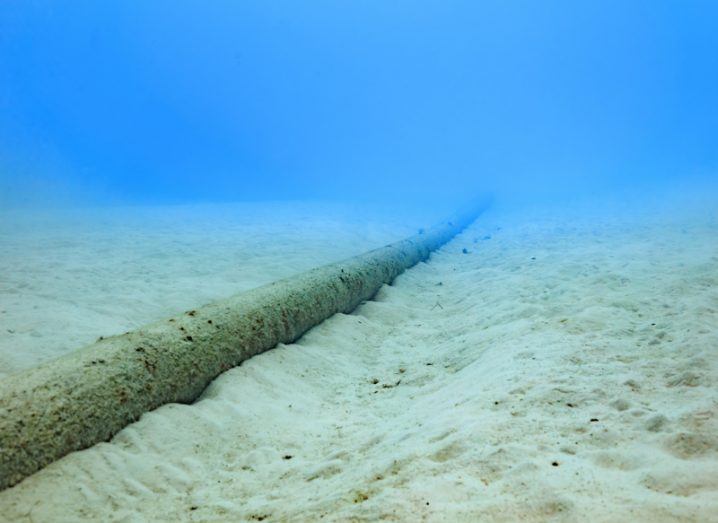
(563, 368)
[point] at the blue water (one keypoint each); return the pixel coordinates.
(554, 360)
(159, 102)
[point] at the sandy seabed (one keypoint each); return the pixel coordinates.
(562, 368)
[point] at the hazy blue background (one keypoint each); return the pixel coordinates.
(158, 101)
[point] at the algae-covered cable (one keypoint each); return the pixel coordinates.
(89, 395)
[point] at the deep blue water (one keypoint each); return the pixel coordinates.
(136, 102)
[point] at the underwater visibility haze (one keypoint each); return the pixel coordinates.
(208, 309)
(131, 102)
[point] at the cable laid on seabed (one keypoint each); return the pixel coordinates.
(89, 395)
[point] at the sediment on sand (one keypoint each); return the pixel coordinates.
(87, 396)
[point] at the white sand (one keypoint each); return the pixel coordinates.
(465, 392)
